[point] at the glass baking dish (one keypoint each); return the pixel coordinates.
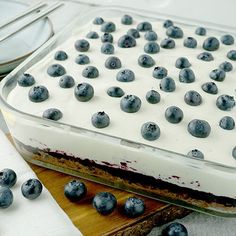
(31, 137)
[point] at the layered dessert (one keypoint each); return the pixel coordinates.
(139, 103)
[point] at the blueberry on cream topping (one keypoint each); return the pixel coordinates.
(115, 91)
(153, 97)
(151, 47)
(84, 92)
(200, 31)
(113, 63)
(107, 38)
(66, 81)
(107, 48)
(159, 72)
(199, 128)
(186, 75)
(82, 59)
(150, 35)
(168, 43)
(38, 93)
(126, 41)
(234, 152)
(150, 131)
(52, 114)
(210, 87)
(217, 75)
(92, 35)
(60, 56)
(211, 44)
(82, 45)
(227, 123)
(25, 80)
(144, 26)
(134, 33)
(56, 70)
(193, 98)
(146, 61)
(205, 56)
(225, 102)
(90, 72)
(227, 39)
(98, 21)
(126, 20)
(226, 66)
(130, 103)
(174, 32)
(167, 84)
(232, 55)
(125, 75)
(167, 23)
(190, 42)
(195, 153)
(174, 114)
(100, 120)
(182, 62)
(108, 27)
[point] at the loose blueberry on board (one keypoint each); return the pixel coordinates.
(66, 81)
(153, 97)
(210, 87)
(174, 229)
(98, 21)
(113, 63)
(227, 39)
(193, 98)
(60, 55)
(205, 56)
(134, 33)
(232, 55)
(92, 35)
(174, 32)
(84, 92)
(167, 23)
(217, 75)
(107, 38)
(226, 66)
(195, 153)
(6, 197)
(38, 93)
(146, 61)
(130, 103)
(186, 75)
(82, 45)
(104, 203)
(52, 114)
(227, 122)
(190, 42)
(107, 48)
(90, 72)
(199, 128)
(75, 190)
(211, 44)
(108, 27)
(8, 178)
(168, 43)
(26, 80)
(126, 20)
(182, 62)
(150, 131)
(150, 35)
(126, 41)
(167, 84)
(159, 72)
(174, 114)
(56, 70)
(134, 207)
(82, 59)
(100, 120)
(200, 31)
(115, 92)
(225, 102)
(31, 189)
(151, 47)
(125, 75)
(144, 26)
(234, 152)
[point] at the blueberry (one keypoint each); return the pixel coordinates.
(26, 80)
(82, 59)
(38, 93)
(167, 23)
(125, 75)
(100, 120)
(60, 56)
(6, 197)
(217, 75)
(108, 27)
(134, 33)
(75, 190)
(113, 63)
(193, 98)
(90, 72)
(146, 61)
(174, 114)
(98, 21)
(195, 153)
(205, 56)
(182, 62)
(168, 43)
(234, 152)
(199, 128)
(225, 102)
(226, 66)
(130, 103)
(52, 114)
(159, 72)
(150, 131)
(167, 84)
(107, 48)
(126, 20)
(107, 38)
(82, 45)
(175, 229)
(126, 41)
(153, 97)
(190, 42)
(227, 122)
(104, 203)
(211, 44)
(151, 47)
(66, 81)
(144, 26)
(186, 75)
(150, 35)
(227, 39)
(200, 31)
(115, 92)
(56, 70)
(174, 32)
(92, 35)
(31, 188)
(134, 207)
(84, 92)
(232, 55)
(210, 87)
(7, 178)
